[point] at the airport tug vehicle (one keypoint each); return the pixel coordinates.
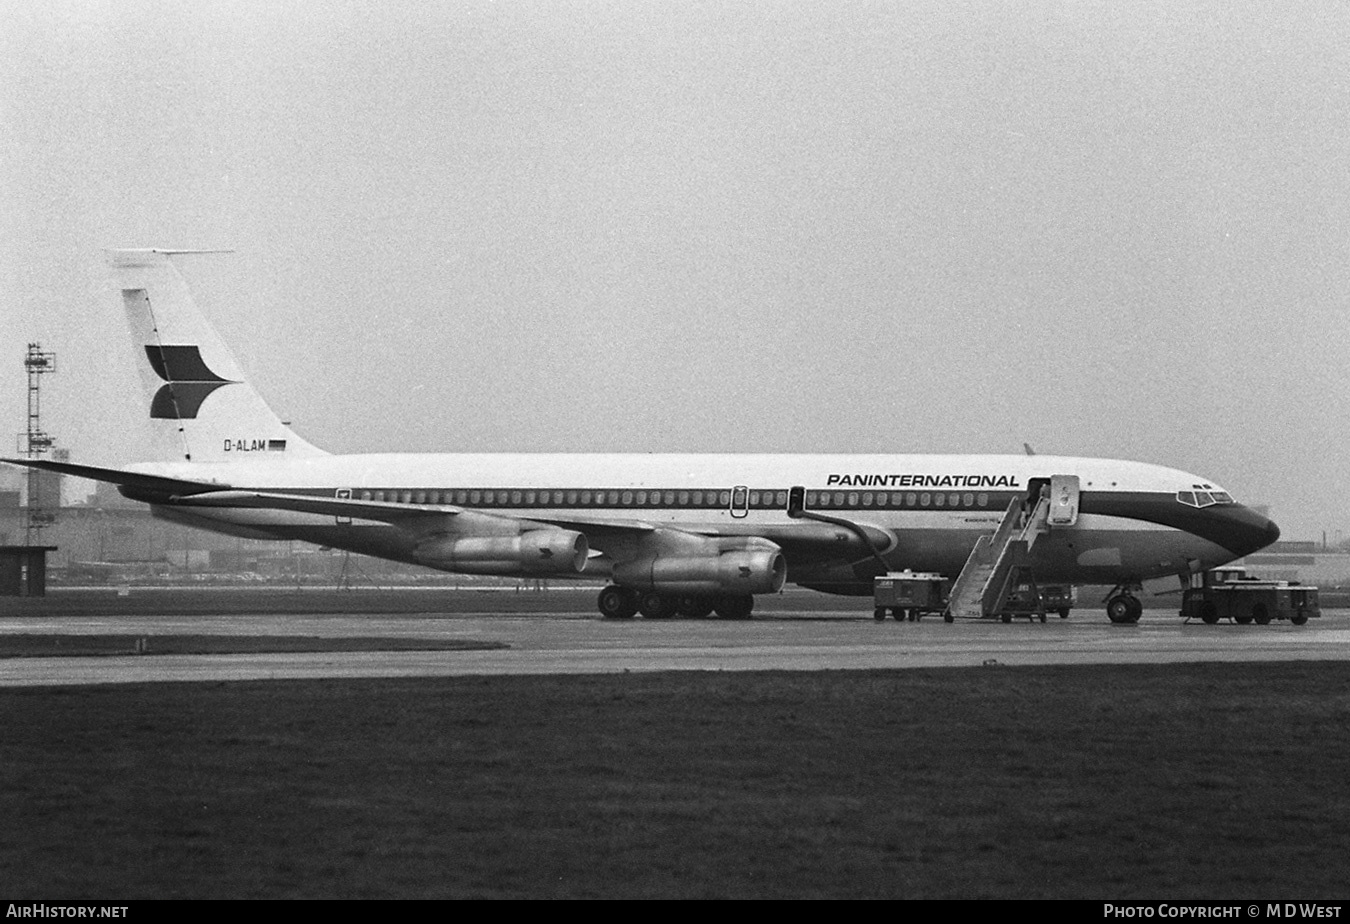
(1231, 593)
(910, 595)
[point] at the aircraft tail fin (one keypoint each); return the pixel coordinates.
(201, 406)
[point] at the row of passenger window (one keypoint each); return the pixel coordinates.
(855, 499)
(538, 498)
(706, 498)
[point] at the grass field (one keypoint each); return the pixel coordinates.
(1199, 781)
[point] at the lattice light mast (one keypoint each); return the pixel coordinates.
(35, 442)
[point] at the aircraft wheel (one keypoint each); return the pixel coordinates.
(734, 607)
(1261, 614)
(1118, 609)
(1300, 617)
(1209, 613)
(694, 607)
(947, 616)
(879, 614)
(1007, 617)
(654, 605)
(1136, 609)
(618, 602)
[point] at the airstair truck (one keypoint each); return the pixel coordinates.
(1231, 593)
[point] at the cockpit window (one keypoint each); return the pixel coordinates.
(1204, 498)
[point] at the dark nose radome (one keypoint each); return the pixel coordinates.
(1245, 531)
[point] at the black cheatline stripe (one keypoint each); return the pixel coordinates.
(997, 501)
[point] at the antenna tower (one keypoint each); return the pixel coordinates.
(35, 443)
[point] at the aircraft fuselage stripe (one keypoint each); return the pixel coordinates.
(674, 498)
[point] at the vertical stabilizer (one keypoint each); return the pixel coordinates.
(200, 405)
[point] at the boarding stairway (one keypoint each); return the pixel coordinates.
(995, 564)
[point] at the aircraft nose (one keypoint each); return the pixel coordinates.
(1245, 531)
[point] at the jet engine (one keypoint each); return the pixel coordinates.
(535, 552)
(756, 571)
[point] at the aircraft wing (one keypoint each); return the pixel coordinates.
(385, 511)
(803, 539)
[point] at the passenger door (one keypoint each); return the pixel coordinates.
(1063, 500)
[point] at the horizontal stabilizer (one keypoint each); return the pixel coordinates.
(120, 477)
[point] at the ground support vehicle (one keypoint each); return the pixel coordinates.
(1024, 598)
(1059, 598)
(909, 594)
(1231, 593)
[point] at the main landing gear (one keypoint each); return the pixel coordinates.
(1124, 608)
(625, 602)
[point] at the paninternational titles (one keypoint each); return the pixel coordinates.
(1263, 910)
(44, 910)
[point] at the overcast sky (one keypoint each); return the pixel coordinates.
(1115, 229)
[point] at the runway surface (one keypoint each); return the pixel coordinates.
(576, 643)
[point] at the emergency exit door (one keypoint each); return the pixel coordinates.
(343, 494)
(740, 500)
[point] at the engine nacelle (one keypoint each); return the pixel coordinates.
(536, 552)
(757, 571)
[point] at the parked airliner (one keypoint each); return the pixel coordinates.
(687, 534)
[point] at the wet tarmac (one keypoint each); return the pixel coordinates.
(547, 634)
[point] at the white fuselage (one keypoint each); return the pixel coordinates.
(931, 508)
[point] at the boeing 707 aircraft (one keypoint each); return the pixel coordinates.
(687, 534)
